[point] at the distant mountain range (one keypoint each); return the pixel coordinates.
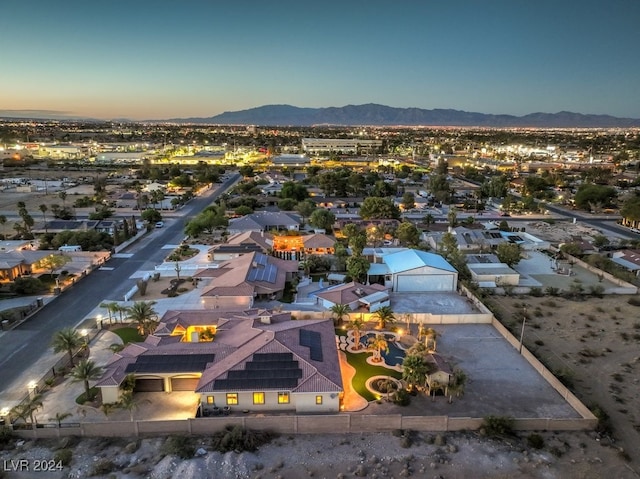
(379, 115)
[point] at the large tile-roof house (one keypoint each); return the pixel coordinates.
(256, 360)
(413, 270)
(237, 282)
(264, 221)
(242, 243)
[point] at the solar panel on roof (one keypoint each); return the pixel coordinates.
(243, 384)
(312, 340)
(170, 363)
(261, 357)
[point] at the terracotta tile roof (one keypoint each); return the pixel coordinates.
(349, 292)
(318, 240)
(239, 336)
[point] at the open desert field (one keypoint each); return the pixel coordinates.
(593, 345)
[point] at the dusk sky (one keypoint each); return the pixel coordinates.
(167, 59)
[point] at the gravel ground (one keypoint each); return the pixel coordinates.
(447, 456)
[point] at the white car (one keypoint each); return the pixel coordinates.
(159, 224)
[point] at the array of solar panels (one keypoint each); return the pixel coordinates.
(174, 363)
(262, 270)
(264, 371)
(313, 341)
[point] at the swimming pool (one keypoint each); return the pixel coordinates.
(395, 356)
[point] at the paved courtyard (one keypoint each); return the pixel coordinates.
(435, 303)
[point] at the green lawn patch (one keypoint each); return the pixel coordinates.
(128, 335)
(83, 398)
(364, 371)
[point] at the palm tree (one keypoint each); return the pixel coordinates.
(457, 383)
(428, 219)
(430, 336)
(63, 196)
(111, 308)
(357, 325)
(339, 311)
(377, 344)
(142, 313)
(384, 315)
(86, 371)
(44, 208)
(67, 340)
(27, 409)
(414, 370)
(129, 403)
(60, 416)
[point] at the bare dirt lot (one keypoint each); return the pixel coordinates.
(593, 345)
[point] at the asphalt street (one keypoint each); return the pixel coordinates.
(26, 344)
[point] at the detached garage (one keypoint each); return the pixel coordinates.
(414, 271)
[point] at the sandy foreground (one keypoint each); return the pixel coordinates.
(424, 455)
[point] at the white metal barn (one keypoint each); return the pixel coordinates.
(415, 271)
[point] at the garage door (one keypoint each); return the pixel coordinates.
(418, 283)
(149, 386)
(184, 384)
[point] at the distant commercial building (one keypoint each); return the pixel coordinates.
(339, 145)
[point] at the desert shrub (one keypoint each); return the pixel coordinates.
(183, 290)
(402, 397)
(535, 441)
(596, 291)
(397, 433)
(539, 342)
(495, 426)
(536, 292)
(406, 442)
(604, 422)
(6, 435)
(634, 301)
(103, 467)
(181, 446)
(235, 438)
(538, 313)
(63, 456)
(552, 291)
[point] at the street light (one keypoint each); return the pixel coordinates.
(524, 321)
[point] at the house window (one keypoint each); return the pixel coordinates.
(232, 399)
(318, 400)
(210, 400)
(283, 398)
(258, 398)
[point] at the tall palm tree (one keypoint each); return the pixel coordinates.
(44, 208)
(384, 315)
(430, 336)
(377, 344)
(85, 371)
(457, 384)
(414, 370)
(357, 325)
(28, 408)
(142, 312)
(67, 340)
(63, 196)
(129, 403)
(109, 308)
(339, 311)
(59, 417)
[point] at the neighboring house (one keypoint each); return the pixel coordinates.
(629, 259)
(239, 281)
(316, 244)
(366, 224)
(241, 243)
(355, 295)
(256, 360)
(485, 239)
(264, 221)
(102, 226)
(412, 271)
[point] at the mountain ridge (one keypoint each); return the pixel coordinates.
(373, 114)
